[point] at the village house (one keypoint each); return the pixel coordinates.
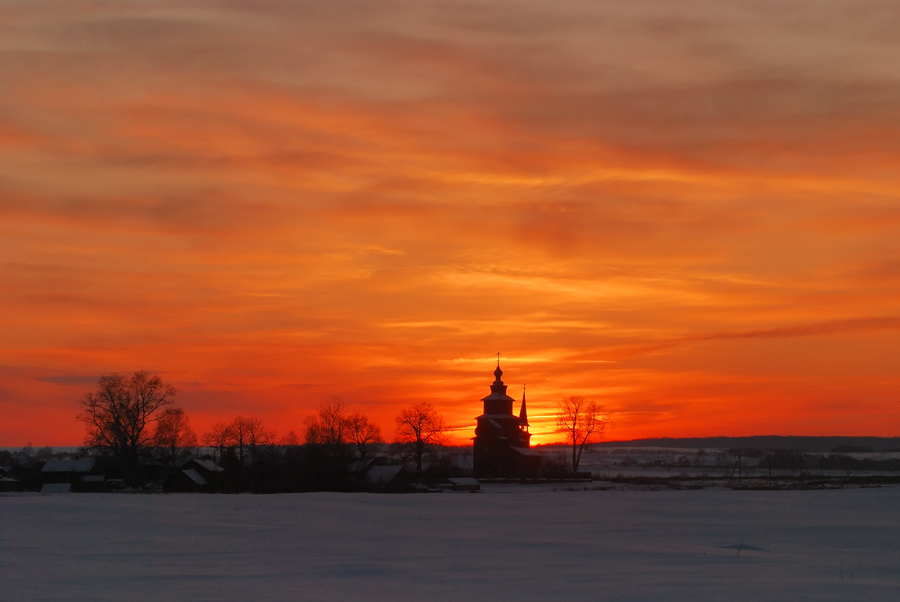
(198, 475)
(63, 476)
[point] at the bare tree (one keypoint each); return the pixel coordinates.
(362, 433)
(118, 413)
(219, 438)
(241, 435)
(290, 440)
(330, 425)
(174, 438)
(421, 426)
(245, 434)
(582, 421)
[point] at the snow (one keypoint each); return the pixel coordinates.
(195, 476)
(209, 465)
(464, 481)
(511, 542)
(82, 465)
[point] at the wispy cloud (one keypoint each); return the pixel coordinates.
(375, 199)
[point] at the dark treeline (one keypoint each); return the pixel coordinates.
(270, 468)
(138, 439)
(765, 442)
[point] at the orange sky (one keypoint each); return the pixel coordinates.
(687, 210)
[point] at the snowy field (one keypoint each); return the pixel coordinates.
(507, 543)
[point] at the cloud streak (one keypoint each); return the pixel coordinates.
(249, 196)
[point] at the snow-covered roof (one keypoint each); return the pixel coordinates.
(194, 476)
(208, 465)
(56, 488)
(360, 465)
(525, 451)
(382, 475)
(82, 465)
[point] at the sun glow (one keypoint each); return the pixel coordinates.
(273, 207)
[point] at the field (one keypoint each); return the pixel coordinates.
(508, 542)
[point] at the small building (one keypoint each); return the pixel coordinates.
(79, 475)
(198, 475)
(387, 478)
(7, 484)
(187, 480)
(207, 468)
(502, 440)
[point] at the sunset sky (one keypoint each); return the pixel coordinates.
(689, 211)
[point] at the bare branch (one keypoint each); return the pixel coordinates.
(421, 426)
(583, 423)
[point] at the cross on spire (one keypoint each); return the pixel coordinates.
(498, 358)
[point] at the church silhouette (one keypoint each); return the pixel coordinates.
(502, 440)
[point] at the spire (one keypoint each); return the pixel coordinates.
(523, 413)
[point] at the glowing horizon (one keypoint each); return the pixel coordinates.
(689, 213)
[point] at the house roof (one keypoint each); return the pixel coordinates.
(382, 475)
(208, 465)
(361, 465)
(194, 476)
(82, 465)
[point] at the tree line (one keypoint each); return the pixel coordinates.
(132, 420)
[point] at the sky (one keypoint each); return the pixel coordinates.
(687, 211)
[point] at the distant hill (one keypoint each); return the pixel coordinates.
(810, 444)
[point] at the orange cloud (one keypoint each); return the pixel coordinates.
(686, 212)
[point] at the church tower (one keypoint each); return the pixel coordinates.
(502, 440)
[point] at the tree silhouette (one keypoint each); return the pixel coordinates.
(289, 440)
(218, 438)
(421, 426)
(362, 433)
(241, 435)
(245, 434)
(118, 413)
(330, 425)
(582, 422)
(174, 439)
(332, 428)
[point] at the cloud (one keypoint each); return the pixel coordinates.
(256, 195)
(832, 327)
(69, 379)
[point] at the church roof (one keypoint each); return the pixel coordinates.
(498, 389)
